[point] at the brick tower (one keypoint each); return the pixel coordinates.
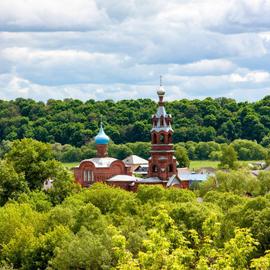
(162, 163)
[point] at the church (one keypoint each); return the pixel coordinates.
(162, 164)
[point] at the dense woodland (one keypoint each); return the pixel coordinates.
(75, 122)
(223, 223)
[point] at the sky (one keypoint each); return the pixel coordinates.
(117, 49)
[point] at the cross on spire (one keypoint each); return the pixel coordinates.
(101, 122)
(160, 80)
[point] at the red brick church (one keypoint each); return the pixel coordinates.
(162, 165)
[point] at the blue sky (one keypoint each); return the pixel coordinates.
(116, 49)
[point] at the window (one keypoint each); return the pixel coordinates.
(161, 121)
(87, 176)
(154, 138)
(154, 168)
(170, 168)
(170, 138)
(162, 138)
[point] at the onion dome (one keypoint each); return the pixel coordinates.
(101, 137)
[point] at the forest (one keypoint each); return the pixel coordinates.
(224, 223)
(75, 122)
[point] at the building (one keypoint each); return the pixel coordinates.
(162, 162)
(188, 180)
(102, 167)
(161, 167)
(137, 164)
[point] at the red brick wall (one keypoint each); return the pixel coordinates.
(100, 174)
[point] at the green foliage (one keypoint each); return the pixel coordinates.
(119, 151)
(12, 184)
(181, 156)
(228, 159)
(75, 122)
(264, 182)
(28, 164)
(156, 228)
(238, 182)
(249, 150)
(30, 158)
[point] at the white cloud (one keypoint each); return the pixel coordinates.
(39, 15)
(117, 49)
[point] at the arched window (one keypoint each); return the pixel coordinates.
(154, 168)
(170, 138)
(161, 121)
(162, 138)
(155, 138)
(170, 168)
(88, 176)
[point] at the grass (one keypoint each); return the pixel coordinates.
(196, 164)
(71, 164)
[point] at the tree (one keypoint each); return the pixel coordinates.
(264, 182)
(182, 156)
(228, 158)
(238, 182)
(120, 151)
(28, 157)
(12, 184)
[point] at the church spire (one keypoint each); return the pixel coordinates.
(160, 92)
(162, 163)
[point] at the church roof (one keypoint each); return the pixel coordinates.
(101, 137)
(103, 162)
(134, 160)
(151, 180)
(123, 178)
(173, 180)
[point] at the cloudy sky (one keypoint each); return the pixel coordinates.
(116, 49)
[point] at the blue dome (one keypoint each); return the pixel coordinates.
(101, 138)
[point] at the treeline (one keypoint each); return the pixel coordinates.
(67, 227)
(245, 149)
(75, 122)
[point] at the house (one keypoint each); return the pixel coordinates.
(137, 164)
(189, 179)
(142, 170)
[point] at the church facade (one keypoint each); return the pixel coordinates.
(102, 167)
(162, 164)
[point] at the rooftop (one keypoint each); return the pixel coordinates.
(134, 160)
(103, 162)
(123, 178)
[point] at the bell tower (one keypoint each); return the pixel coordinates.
(162, 163)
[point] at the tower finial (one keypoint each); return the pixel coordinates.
(160, 78)
(101, 122)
